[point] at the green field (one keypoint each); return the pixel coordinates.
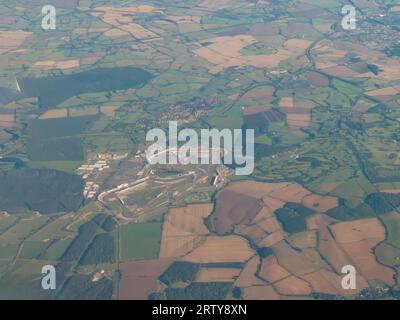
(286, 69)
(8, 251)
(23, 229)
(68, 166)
(7, 221)
(140, 241)
(32, 249)
(57, 249)
(54, 230)
(392, 224)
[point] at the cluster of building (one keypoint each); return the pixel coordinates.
(219, 178)
(183, 113)
(278, 72)
(90, 190)
(86, 170)
(92, 156)
(288, 153)
(91, 172)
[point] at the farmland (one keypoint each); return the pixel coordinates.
(76, 189)
(140, 241)
(283, 257)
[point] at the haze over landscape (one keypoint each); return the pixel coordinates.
(320, 93)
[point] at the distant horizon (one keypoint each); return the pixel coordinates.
(228, 151)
